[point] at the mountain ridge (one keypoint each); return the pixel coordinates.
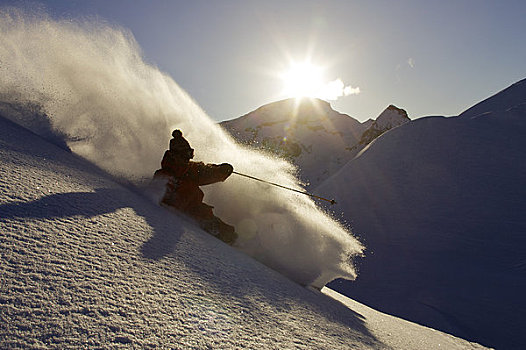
(438, 203)
(310, 134)
(508, 98)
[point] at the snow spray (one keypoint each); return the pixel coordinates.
(116, 110)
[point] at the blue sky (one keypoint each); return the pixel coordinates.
(428, 57)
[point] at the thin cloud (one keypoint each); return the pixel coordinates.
(336, 89)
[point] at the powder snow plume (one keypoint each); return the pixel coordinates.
(116, 110)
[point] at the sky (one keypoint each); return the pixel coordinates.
(427, 57)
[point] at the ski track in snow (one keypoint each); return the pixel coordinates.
(88, 263)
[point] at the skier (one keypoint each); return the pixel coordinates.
(184, 177)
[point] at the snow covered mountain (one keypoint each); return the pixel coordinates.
(440, 204)
(388, 119)
(309, 133)
(90, 263)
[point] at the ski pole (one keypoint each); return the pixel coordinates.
(332, 201)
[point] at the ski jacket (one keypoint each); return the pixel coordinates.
(198, 172)
(185, 177)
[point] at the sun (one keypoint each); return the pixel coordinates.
(303, 80)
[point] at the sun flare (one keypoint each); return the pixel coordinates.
(303, 80)
(308, 80)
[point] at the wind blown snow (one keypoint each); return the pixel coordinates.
(116, 110)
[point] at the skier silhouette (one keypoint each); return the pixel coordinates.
(183, 178)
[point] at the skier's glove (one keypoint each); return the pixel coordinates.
(227, 169)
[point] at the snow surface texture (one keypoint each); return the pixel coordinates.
(88, 263)
(440, 205)
(115, 110)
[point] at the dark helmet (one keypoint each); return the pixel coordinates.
(179, 146)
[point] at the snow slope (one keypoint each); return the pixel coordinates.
(509, 98)
(89, 263)
(440, 203)
(85, 85)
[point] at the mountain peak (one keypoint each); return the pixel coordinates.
(390, 118)
(310, 108)
(393, 113)
(310, 134)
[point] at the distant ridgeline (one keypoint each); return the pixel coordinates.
(310, 134)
